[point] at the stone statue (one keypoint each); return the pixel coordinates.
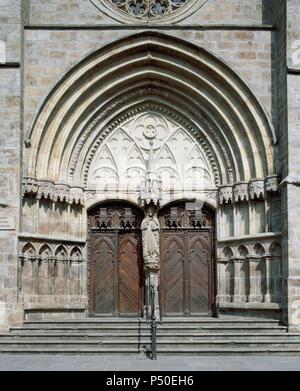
(150, 234)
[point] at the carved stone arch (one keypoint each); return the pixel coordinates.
(227, 252)
(243, 251)
(196, 85)
(76, 253)
(29, 249)
(259, 249)
(275, 249)
(61, 252)
(45, 251)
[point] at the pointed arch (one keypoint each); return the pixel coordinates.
(29, 249)
(207, 96)
(45, 250)
(243, 251)
(259, 249)
(227, 252)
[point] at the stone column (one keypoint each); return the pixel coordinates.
(255, 295)
(223, 281)
(268, 277)
(239, 282)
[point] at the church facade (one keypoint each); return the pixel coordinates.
(149, 144)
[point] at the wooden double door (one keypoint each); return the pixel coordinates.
(185, 278)
(117, 273)
(116, 268)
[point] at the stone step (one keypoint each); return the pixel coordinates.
(160, 335)
(164, 327)
(176, 322)
(108, 350)
(146, 341)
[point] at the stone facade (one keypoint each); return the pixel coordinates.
(218, 80)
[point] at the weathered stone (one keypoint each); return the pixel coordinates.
(217, 98)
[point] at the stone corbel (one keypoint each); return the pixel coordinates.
(46, 190)
(76, 195)
(240, 192)
(49, 190)
(62, 193)
(271, 184)
(256, 189)
(29, 186)
(225, 194)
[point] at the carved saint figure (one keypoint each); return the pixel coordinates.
(150, 233)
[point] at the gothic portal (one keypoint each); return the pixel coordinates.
(135, 171)
(147, 145)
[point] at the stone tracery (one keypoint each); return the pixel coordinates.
(148, 10)
(121, 160)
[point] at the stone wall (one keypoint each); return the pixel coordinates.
(292, 181)
(83, 12)
(10, 161)
(252, 36)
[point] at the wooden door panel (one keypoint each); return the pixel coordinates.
(103, 275)
(172, 284)
(129, 274)
(198, 266)
(185, 273)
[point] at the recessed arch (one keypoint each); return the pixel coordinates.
(259, 249)
(145, 67)
(29, 249)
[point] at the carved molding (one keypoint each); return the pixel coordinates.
(240, 192)
(271, 183)
(225, 194)
(115, 217)
(177, 217)
(37, 250)
(256, 189)
(54, 191)
(151, 191)
(244, 191)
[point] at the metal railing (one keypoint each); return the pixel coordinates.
(153, 355)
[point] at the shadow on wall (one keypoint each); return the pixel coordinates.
(267, 11)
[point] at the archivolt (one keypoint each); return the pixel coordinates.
(152, 67)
